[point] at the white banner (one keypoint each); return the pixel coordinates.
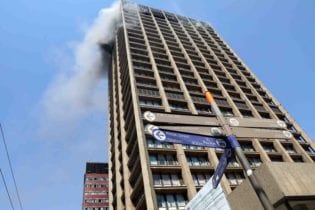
(209, 198)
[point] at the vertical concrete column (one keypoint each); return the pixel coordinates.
(125, 157)
(149, 192)
(118, 176)
(186, 174)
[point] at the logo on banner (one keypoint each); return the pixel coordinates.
(150, 128)
(234, 122)
(287, 134)
(281, 124)
(149, 116)
(221, 142)
(159, 135)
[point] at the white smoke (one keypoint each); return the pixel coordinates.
(77, 90)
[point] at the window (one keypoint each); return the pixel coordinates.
(149, 102)
(300, 139)
(162, 159)
(175, 180)
(147, 92)
(292, 128)
(198, 161)
(180, 200)
(289, 148)
(200, 179)
(153, 160)
(161, 202)
(192, 147)
(152, 143)
(248, 147)
(276, 159)
(166, 179)
(157, 180)
(203, 110)
(235, 178)
(179, 106)
(310, 149)
(171, 201)
(233, 163)
(254, 161)
(227, 113)
(269, 148)
(298, 159)
(246, 113)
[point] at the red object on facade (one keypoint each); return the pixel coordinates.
(96, 188)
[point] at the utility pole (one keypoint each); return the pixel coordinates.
(239, 153)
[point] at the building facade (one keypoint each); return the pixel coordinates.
(96, 189)
(162, 63)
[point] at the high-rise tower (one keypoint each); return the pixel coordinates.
(162, 62)
(95, 193)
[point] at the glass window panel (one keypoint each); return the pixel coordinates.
(180, 200)
(170, 159)
(161, 202)
(195, 179)
(157, 179)
(175, 179)
(162, 159)
(170, 201)
(150, 143)
(195, 161)
(158, 144)
(153, 160)
(201, 179)
(166, 180)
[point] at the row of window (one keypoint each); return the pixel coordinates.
(167, 180)
(96, 179)
(96, 185)
(203, 161)
(96, 208)
(161, 159)
(200, 179)
(103, 192)
(105, 200)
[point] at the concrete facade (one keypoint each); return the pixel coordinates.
(288, 186)
(162, 62)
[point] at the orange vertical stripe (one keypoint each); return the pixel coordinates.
(209, 97)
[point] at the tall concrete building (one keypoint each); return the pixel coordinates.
(95, 193)
(163, 63)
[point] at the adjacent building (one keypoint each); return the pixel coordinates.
(95, 193)
(162, 63)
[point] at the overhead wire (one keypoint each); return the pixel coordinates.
(6, 188)
(11, 168)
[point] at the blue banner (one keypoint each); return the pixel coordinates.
(189, 139)
(219, 171)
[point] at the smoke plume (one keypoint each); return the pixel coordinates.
(81, 88)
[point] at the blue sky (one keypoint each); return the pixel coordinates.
(275, 38)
